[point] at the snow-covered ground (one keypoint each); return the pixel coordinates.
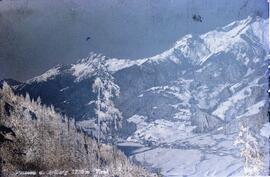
(174, 150)
(160, 131)
(265, 131)
(190, 162)
(197, 155)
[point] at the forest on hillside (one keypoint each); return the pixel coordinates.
(35, 140)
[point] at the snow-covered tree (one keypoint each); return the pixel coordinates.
(109, 118)
(251, 147)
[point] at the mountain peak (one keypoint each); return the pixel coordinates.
(199, 48)
(87, 66)
(47, 75)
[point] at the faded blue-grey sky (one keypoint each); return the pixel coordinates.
(38, 34)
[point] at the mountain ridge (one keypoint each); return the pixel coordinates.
(182, 60)
(115, 64)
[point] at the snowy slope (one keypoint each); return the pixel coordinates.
(45, 76)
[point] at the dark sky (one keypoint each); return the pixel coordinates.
(38, 34)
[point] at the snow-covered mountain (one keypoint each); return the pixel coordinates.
(188, 99)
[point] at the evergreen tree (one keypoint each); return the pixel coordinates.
(252, 151)
(109, 118)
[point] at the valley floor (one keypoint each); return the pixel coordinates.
(217, 159)
(174, 154)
